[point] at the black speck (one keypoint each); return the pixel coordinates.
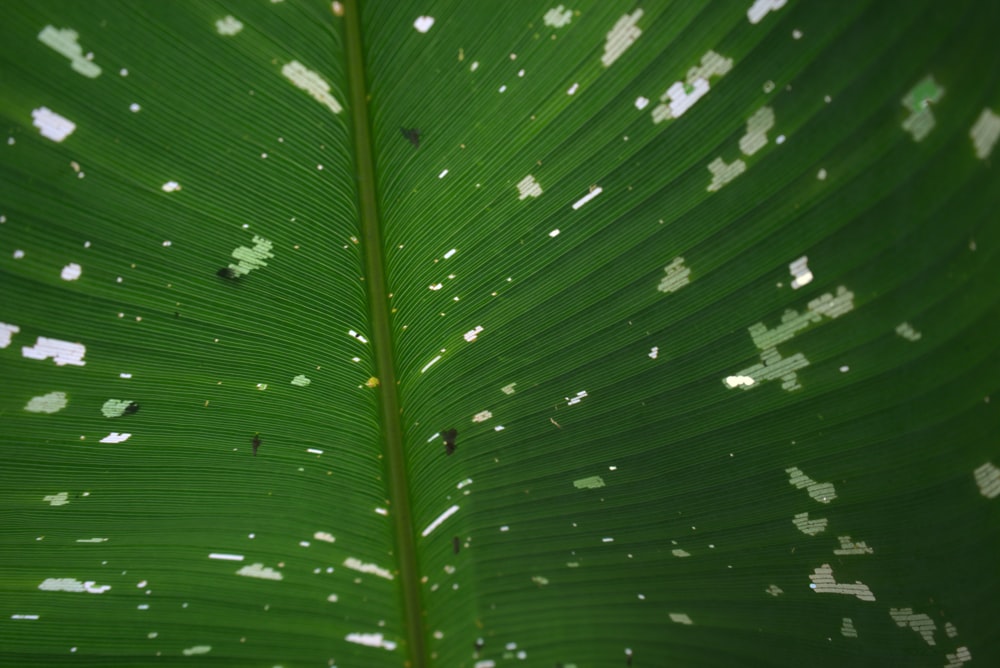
(226, 272)
(455, 545)
(256, 443)
(413, 135)
(132, 408)
(449, 440)
(478, 646)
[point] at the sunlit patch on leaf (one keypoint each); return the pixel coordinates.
(823, 582)
(260, 571)
(65, 42)
(60, 499)
(558, 17)
(917, 101)
(984, 133)
(824, 492)
(312, 83)
(197, 650)
(53, 402)
(987, 479)
(677, 276)
(919, 622)
(73, 585)
(228, 26)
(624, 33)
(591, 482)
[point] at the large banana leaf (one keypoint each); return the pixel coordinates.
(707, 292)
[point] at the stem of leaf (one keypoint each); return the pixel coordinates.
(392, 432)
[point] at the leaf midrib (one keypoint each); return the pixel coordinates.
(374, 270)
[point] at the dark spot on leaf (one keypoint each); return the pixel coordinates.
(449, 440)
(132, 408)
(226, 272)
(455, 545)
(413, 135)
(256, 443)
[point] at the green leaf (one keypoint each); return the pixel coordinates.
(707, 293)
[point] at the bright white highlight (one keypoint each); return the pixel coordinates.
(760, 8)
(53, 402)
(443, 174)
(641, 102)
(449, 253)
(312, 83)
(473, 333)
(314, 451)
(225, 557)
(259, 571)
(823, 583)
(196, 650)
(440, 518)
(6, 332)
(577, 399)
(684, 94)
(558, 17)
(115, 437)
(357, 336)
(554, 233)
(508, 389)
(65, 43)
(61, 352)
(372, 639)
(594, 192)
(800, 272)
(324, 536)
(423, 23)
(621, 37)
(429, 364)
(170, 186)
(482, 416)
(301, 381)
(357, 565)
(52, 125)
(738, 381)
(528, 187)
(71, 272)
(680, 618)
(984, 133)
